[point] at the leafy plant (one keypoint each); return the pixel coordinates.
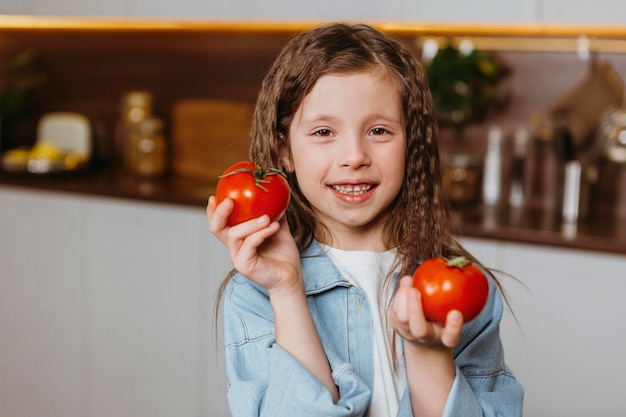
(464, 85)
(19, 80)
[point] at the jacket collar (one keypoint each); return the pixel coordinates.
(321, 272)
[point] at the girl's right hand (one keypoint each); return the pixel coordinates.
(263, 251)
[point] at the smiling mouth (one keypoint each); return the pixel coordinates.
(352, 189)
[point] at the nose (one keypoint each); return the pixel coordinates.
(354, 152)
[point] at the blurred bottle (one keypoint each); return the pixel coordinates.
(135, 106)
(462, 178)
(517, 191)
(609, 189)
(572, 191)
(493, 166)
(145, 155)
(543, 172)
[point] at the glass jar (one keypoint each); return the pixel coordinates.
(462, 178)
(612, 134)
(145, 153)
(135, 106)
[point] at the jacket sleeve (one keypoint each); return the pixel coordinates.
(483, 386)
(264, 379)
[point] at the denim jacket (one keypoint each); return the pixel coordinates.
(265, 380)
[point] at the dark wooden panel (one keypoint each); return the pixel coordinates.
(89, 71)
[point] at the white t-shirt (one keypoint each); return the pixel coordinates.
(368, 270)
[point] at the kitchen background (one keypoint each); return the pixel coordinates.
(107, 286)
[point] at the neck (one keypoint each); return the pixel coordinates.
(354, 240)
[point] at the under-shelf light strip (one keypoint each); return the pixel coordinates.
(581, 45)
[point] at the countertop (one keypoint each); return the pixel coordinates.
(605, 235)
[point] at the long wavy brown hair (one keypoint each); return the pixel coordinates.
(419, 224)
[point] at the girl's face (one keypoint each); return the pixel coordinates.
(348, 144)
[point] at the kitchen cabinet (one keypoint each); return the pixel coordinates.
(42, 264)
(567, 346)
(106, 308)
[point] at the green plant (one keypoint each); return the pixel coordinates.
(19, 79)
(464, 85)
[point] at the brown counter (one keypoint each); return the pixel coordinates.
(605, 235)
(116, 184)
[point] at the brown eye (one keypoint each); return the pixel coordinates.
(378, 131)
(323, 132)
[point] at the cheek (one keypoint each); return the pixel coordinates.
(395, 166)
(310, 169)
(307, 158)
(307, 170)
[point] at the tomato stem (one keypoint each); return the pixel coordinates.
(459, 262)
(259, 173)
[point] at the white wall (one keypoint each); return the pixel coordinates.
(476, 11)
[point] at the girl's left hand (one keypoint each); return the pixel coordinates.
(407, 318)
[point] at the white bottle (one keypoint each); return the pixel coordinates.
(520, 142)
(571, 191)
(493, 166)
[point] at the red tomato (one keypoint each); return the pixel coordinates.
(255, 190)
(454, 284)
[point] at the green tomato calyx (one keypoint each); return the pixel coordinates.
(459, 262)
(259, 173)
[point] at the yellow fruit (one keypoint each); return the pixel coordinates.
(73, 159)
(45, 150)
(17, 155)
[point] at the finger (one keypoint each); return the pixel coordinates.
(401, 302)
(417, 323)
(451, 333)
(211, 202)
(247, 228)
(218, 214)
(246, 249)
(210, 208)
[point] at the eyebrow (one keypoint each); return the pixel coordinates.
(322, 117)
(327, 117)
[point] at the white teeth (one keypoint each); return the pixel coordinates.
(349, 189)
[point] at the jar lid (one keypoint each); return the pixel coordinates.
(137, 99)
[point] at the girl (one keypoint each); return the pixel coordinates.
(320, 315)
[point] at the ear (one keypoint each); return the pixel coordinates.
(285, 154)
